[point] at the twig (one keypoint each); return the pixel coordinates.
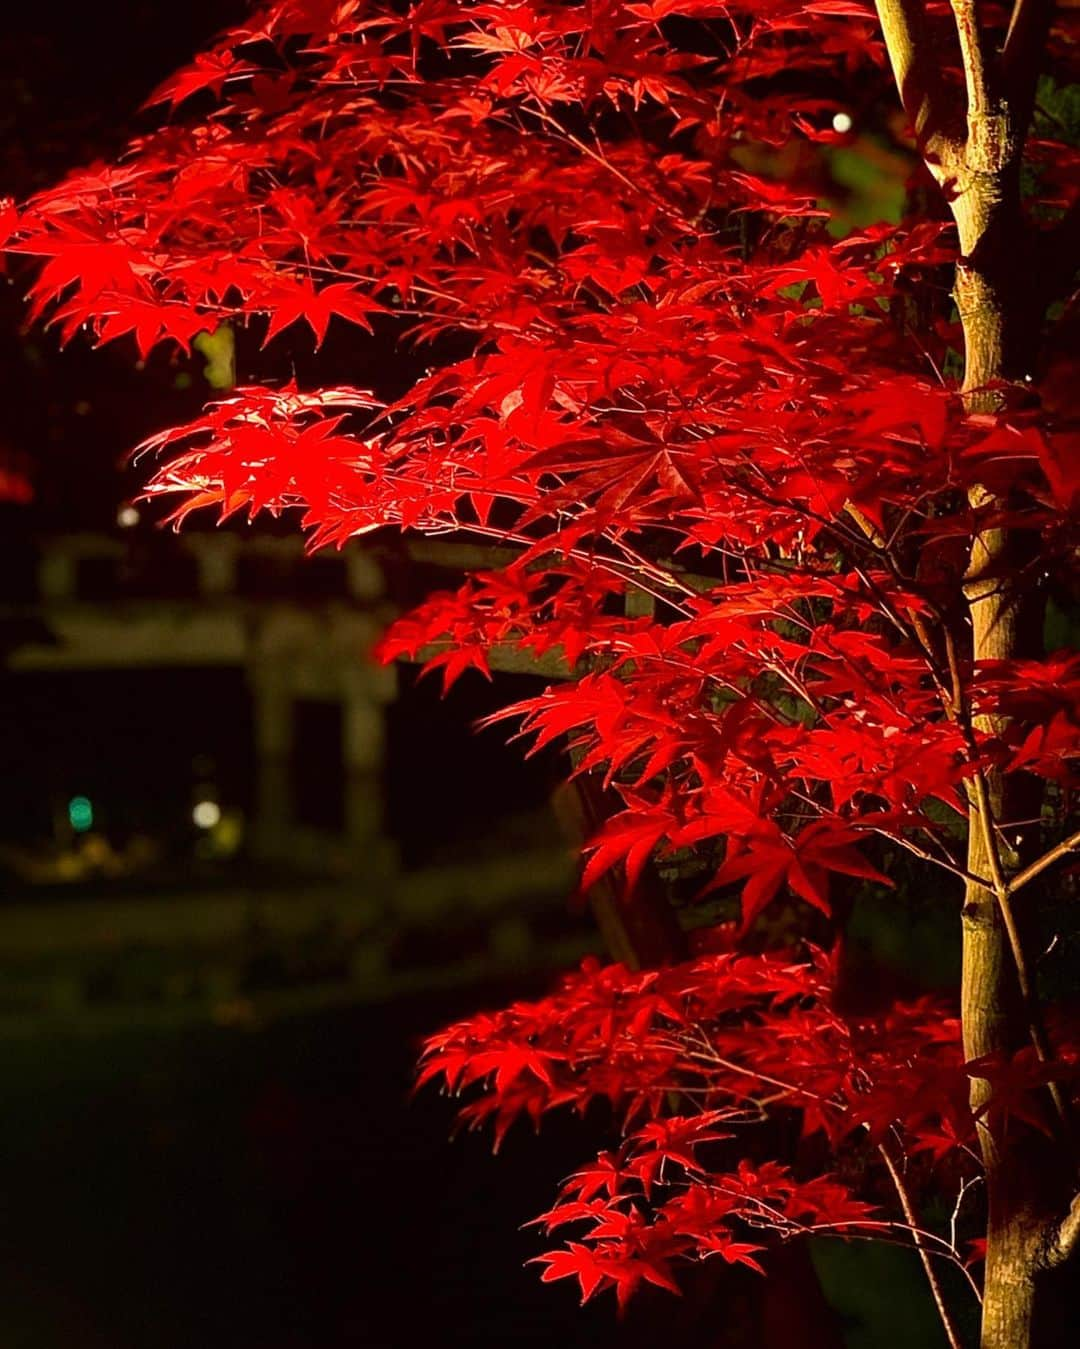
(924, 1255)
(961, 1194)
(1024, 42)
(961, 872)
(1068, 845)
(1028, 995)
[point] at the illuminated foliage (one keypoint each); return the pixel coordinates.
(744, 483)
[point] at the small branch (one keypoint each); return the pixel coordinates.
(961, 1195)
(956, 688)
(1068, 845)
(954, 870)
(1036, 1028)
(1066, 1239)
(866, 525)
(711, 1056)
(920, 1245)
(1027, 993)
(913, 627)
(976, 73)
(866, 1229)
(1000, 889)
(986, 824)
(915, 68)
(1024, 44)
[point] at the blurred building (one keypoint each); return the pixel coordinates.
(217, 797)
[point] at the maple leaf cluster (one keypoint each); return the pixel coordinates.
(727, 446)
(744, 434)
(696, 1059)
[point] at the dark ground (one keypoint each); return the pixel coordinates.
(215, 1188)
(268, 1188)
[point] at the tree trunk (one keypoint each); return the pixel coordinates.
(1026, 1175)
(972, 143)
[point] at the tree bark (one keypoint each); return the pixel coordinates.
(975, 154)
(1026, 1176)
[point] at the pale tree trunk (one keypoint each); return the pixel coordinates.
(975, 153)
(1004, 621)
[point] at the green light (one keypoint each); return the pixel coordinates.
(81, 814)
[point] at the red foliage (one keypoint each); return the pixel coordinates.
(695, 1060)
(718, 436)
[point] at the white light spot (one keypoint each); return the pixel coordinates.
(206, 814)
(127, 517)
(842, 123)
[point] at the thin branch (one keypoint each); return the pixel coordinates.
(1066, 1238)
(1024, 44)
(924, 1255)
(1068, 845)
(866, 525)
(977, 69)
(914, 627)
(915, 68)
(986, 823)
(961, 872)
(868, 1229)
(872, 1225)
(711, 1056)
(946, 1253)
(1000, 889)
(1028, 994)
(960, 1197)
